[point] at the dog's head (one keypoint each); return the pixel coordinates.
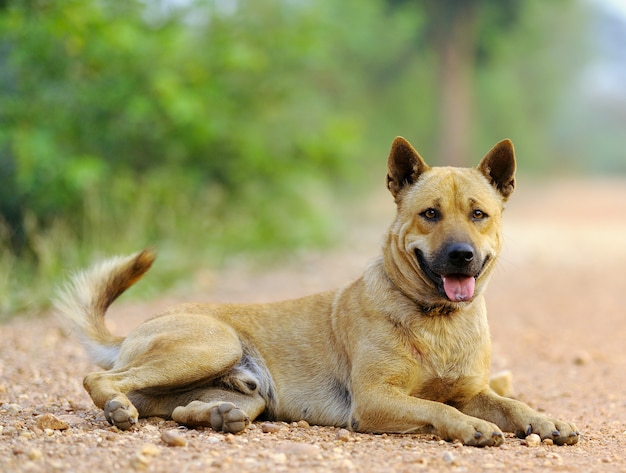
(447, 233)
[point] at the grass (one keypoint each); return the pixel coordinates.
(190, 231)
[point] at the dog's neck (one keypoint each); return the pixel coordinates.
(435, 310)
(396, 276)
(377, 271)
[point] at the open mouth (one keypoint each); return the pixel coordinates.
(456, 287)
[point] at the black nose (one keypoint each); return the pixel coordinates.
(460, 253)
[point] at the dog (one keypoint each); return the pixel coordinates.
(403, 349)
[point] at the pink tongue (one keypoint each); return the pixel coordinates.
(459, 287)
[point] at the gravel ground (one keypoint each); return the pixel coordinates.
(557, 319)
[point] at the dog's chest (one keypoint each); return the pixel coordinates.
(451, 358)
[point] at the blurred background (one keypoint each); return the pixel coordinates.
(215, 128)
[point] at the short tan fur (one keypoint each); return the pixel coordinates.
(404, 348)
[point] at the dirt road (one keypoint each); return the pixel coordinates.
(558, 323)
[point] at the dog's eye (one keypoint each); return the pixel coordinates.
(478, 215)
(430, 214)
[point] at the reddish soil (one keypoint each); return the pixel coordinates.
(557, 319)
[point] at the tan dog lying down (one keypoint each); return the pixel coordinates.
(404, 348)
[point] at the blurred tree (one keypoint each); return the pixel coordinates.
(486, 48)
(455, 30)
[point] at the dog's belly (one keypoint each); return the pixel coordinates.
(319, 401)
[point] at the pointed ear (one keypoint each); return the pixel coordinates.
(498, 166)
(404, 166)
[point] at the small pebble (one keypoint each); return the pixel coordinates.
(50, 421)
(19, 450)
(270, 427)
(34, 454)
(150, 450)
(547, 442)
(139, 461)
(9, 430)
(11, 408)
(448, 457)
(56, 465)
(343, 435)
(279, 458)
(555, 457)
(582, 358)
(72, 420)
(303, 424)
(298, 449)
(173, 438)
(347, 464)
(533, 440)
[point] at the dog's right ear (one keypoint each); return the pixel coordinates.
(498, 166)
(404, 166)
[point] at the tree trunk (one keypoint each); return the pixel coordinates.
(456, 50)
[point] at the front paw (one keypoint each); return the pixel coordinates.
(474, 432)
(120, 413)
(561, 433)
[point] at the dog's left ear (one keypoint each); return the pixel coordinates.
(498, 166)
(404, 166)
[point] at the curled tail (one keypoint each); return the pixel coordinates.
(86, 297)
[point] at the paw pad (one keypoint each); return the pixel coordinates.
(120, 415)
(228, 418)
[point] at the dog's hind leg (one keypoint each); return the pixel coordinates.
(156, 358)
(105, 393)
(221, 409)
(228, 404)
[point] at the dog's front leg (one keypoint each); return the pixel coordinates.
(388, 409)
(515, 416)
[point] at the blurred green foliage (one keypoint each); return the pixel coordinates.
(106, 102)
(213, 127)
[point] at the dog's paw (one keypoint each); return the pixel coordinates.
(561, 433)
(120, 413)
(476, 433)
(227, 417)
(220, 416)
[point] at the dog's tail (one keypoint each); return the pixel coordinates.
(86, 297)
